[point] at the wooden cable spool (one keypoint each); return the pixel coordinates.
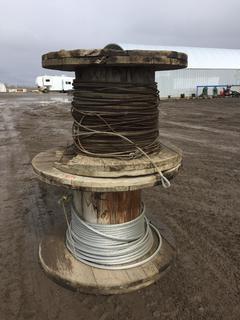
(106, 190)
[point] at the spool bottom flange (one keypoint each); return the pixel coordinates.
(59, 264)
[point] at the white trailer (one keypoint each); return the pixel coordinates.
(55, 83)
(3, 87)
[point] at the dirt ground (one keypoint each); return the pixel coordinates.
(202, 208)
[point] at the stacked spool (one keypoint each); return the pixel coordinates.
(105, 173)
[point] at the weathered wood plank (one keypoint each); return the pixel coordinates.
(108, 207)
(83, 165)
(44, 166)
(73, 59)
(61, 266)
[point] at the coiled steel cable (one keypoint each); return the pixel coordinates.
(114, 246)
(127, 114)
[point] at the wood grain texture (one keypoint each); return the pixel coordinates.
(110, 167)
(63, 268)
(74, 59)
(108, 207)
(44, 166)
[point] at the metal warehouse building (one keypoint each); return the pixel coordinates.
(206, 67)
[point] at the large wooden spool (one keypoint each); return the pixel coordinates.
(106, 191)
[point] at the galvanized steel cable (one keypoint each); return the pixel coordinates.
(114, 246)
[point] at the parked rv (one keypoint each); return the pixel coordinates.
(55, 83)
(3, 87)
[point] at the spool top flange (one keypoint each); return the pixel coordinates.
(72, 60)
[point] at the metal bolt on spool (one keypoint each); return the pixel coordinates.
(110, 247)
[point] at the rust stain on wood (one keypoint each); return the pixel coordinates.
(117, 207)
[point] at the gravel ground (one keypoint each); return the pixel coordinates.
(201, 208)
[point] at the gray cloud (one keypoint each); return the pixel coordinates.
(30, 28)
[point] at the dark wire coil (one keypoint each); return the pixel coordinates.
(115, 119)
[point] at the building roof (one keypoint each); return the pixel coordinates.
(198, 58)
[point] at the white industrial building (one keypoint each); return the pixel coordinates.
(3, 87)
(206, 67)
(55, 83)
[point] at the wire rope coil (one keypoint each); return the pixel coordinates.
(112, 246)
(127, 114)
(117, 120)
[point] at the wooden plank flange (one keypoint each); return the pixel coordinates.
(83, 165)
(59, 264)
(71, 60)
(44, 165)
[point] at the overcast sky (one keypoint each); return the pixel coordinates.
(29, 28)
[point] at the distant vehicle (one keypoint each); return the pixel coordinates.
(54, 83)
(3, 87)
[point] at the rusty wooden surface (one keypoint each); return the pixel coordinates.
(108, 207)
